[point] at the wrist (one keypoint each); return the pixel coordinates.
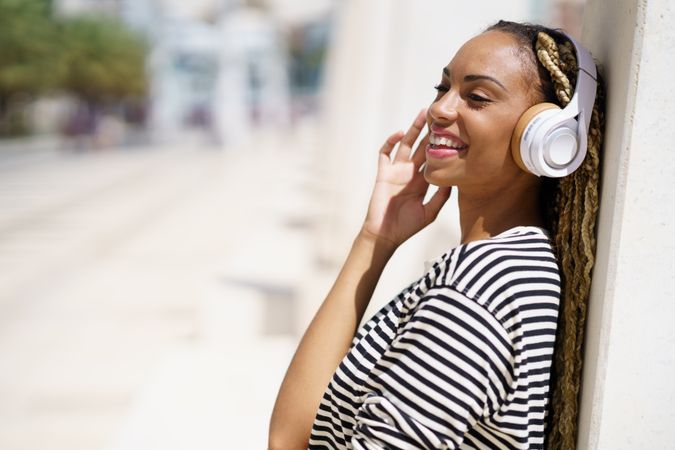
(378, 243)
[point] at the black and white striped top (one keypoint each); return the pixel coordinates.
(460, 359)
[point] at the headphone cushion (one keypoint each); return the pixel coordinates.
(517, 149)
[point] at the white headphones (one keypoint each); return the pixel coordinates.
(552, 142)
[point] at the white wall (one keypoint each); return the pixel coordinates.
(629, 368)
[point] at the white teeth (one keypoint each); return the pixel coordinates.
(441, 140)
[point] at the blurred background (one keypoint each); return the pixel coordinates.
(179, 184)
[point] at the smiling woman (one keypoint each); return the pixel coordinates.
(468, 355)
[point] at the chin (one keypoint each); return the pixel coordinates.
(437, 177)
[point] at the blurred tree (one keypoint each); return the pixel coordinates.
(105, 65)
(94, 58)
(104, 59)
(29, 59)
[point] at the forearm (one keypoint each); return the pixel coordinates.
(325, 343)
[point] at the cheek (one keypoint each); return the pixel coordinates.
(494, 134)
(500, 127)
(492, 143)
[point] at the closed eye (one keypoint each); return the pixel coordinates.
(478, 98)
(441, 88)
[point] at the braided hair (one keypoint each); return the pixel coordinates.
(570, 206)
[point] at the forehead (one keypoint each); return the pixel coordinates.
(492, 53)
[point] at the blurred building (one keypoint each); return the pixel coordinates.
(252, 88)
(220, 66)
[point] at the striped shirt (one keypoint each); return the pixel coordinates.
(460, 359)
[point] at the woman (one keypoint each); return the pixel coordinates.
(463, 357)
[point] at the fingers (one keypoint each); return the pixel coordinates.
(406, 141)
(433, 206)
(406, 145)
(420, 154)
(390, 143)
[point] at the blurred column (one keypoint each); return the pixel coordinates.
(252, 90)
(182, 64)
(355, 74)
(629, 365)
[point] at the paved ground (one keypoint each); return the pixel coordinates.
(146, 296)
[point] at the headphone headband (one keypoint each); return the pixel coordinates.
(586, 86)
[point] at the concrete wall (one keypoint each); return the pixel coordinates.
(629, 368)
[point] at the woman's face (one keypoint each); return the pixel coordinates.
(483, 92)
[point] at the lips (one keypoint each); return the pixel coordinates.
(442, 152)
(440, 138)
(444, 145)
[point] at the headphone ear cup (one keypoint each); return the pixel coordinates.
(519, 149)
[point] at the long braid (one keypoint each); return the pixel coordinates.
(570, 205)
(577, 206)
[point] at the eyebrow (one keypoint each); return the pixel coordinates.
(474, 77)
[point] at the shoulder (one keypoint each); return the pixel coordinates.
(518, 241)
(520, 249)
(519, 255)
(515, 266)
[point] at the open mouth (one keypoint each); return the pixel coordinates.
(444, 146)
(446, 142)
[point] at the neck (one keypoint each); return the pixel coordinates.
(483, 216)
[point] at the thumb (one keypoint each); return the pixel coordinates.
(434, 205)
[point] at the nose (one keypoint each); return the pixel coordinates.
(445, 108)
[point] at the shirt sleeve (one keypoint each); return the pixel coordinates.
(450, 364)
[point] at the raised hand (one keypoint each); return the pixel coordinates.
(396, 210)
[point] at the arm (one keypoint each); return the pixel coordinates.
(395, 213)
(325, 343)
